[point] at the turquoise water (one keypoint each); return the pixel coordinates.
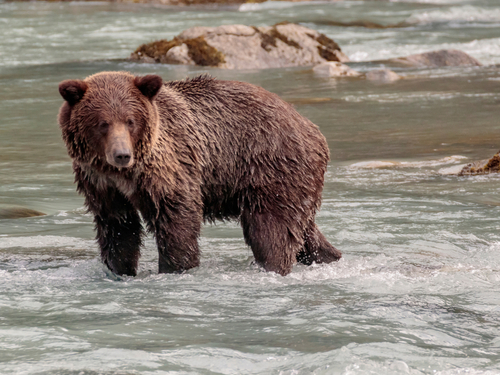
(418, 288)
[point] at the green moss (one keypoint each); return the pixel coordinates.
(269, 39)
(204, 54)
(198, 49)
(327, 47)
(276, 34)
(157, 49)
(327, 42)
(327, 54)
(493, 164)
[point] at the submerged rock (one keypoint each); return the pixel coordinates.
(18, 212)
(445, 57)
(335, 69)
(482, 167)
(382, 75)
(244, 47)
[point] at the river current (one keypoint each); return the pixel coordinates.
(418, 288)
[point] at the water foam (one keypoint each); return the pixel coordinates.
(459, 14)
(405, 164)
(453, 170)
(268, 5)
(437, 2)
(44, 241)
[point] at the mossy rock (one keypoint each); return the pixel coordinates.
(198, 50)
(327, 48)
(482, 167)
(243, 47)
(157, 49)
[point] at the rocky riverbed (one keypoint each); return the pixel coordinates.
(282, 45)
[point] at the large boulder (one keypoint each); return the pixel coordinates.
(482, 167)
(445, 57)
(244, 47)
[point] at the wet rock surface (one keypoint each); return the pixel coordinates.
(482, 167)
(334, 69)
(445, 57)
(244, 47)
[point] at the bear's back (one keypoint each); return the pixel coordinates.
(251, 138)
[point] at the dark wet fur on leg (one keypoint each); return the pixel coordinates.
(271, 244)
(317, 249)
(120, 243)
(177, 240)
(119, 233)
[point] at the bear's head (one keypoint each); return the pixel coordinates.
(110, 118)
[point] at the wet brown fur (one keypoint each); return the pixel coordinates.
(203, 149)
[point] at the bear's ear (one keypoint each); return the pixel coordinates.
(149, 85)
(72, 90)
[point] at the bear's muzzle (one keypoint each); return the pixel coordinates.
(119, 149)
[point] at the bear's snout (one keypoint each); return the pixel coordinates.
(122, 157)
(119, 147)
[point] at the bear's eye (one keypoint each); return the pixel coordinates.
(103, 126)
(130, 123)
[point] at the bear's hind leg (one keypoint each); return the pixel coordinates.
(317, 248)
(272, 241)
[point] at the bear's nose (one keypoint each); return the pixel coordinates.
(122, 158)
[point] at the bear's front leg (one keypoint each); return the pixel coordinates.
(119, 235)
(118, 225)
(177, 230)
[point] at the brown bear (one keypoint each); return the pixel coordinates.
(183, 152)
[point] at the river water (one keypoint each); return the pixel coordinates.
(418, 288)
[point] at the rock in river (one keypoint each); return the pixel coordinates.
(482, 167)
(444, 57)
(334, 69)
(244, 47)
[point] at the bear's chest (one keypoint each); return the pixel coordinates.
(125, 186)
